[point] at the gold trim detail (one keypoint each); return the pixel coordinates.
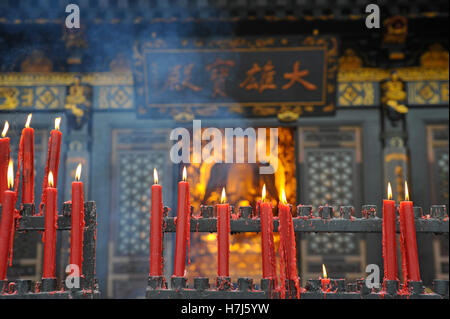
(396, 157)
(406, 74)
(62, 78)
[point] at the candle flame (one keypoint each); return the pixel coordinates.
(264, 192)
(184, 174)
(78, 172)
(324, 271)
(406, 191)
(5, 129)
(155, 176)
(50, 179)
(389, 191)
(57, 123)
(27, 124)
(10, 174)
(283, 197)
(223, 197)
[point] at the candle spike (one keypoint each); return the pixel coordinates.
(324, 271)
(50, 179)
(57, 123)
(406, 191)
(155, 176)
(27, 124)
(283, 197)
(78, 172)
(223, 197)
(5, 129)
(184, 174)
(389, 191)
(10, 174)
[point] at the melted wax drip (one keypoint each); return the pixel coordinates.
(16, 214)
(188, 226)
(45, 181)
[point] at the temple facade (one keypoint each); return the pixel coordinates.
(354, 107)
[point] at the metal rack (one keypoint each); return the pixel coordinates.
(51, 288)
(326, 220)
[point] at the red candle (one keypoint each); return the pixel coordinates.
(77, 225)
(325, 281)
(404, 260)
(7, 221)
(156, 224)
(53, 154)
(268, 249)
(223, 237)
(287, 247)
(49, 238)
(389, 238)
(26, 150)
(408, 234)
(183, 226)
(4, 160)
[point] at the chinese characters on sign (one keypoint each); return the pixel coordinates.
(204, 77)
(266, 80)
(258, 78)
(220, 70)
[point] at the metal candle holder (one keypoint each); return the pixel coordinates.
(245, 289)
(437, 222)
(328, 220)
(48, 287)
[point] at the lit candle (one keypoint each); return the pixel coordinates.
(183, 226)
(326, 286)
(223, 236)
(156, 224)
(287, 246)
(408, 237)
(268, 249)
(7, 221)
(4, 161)
(389, 238)
(53, 154)
(49, 239)
(26, 156)
(77, 224)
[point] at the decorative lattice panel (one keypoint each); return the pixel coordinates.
(134, 155)
(442, 168)
(135, 179)
(438, 158)
(330, 175)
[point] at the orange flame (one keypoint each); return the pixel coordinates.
(223, 198)
(184, 174)
(406, 192)
(155, 176)
(27, 124)
(264, 192)
(57, 123)
(324, 271)
(78, 172)
(50, 179)
(283, 197)
(10, 174)
(5, 129)
(389, 191)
